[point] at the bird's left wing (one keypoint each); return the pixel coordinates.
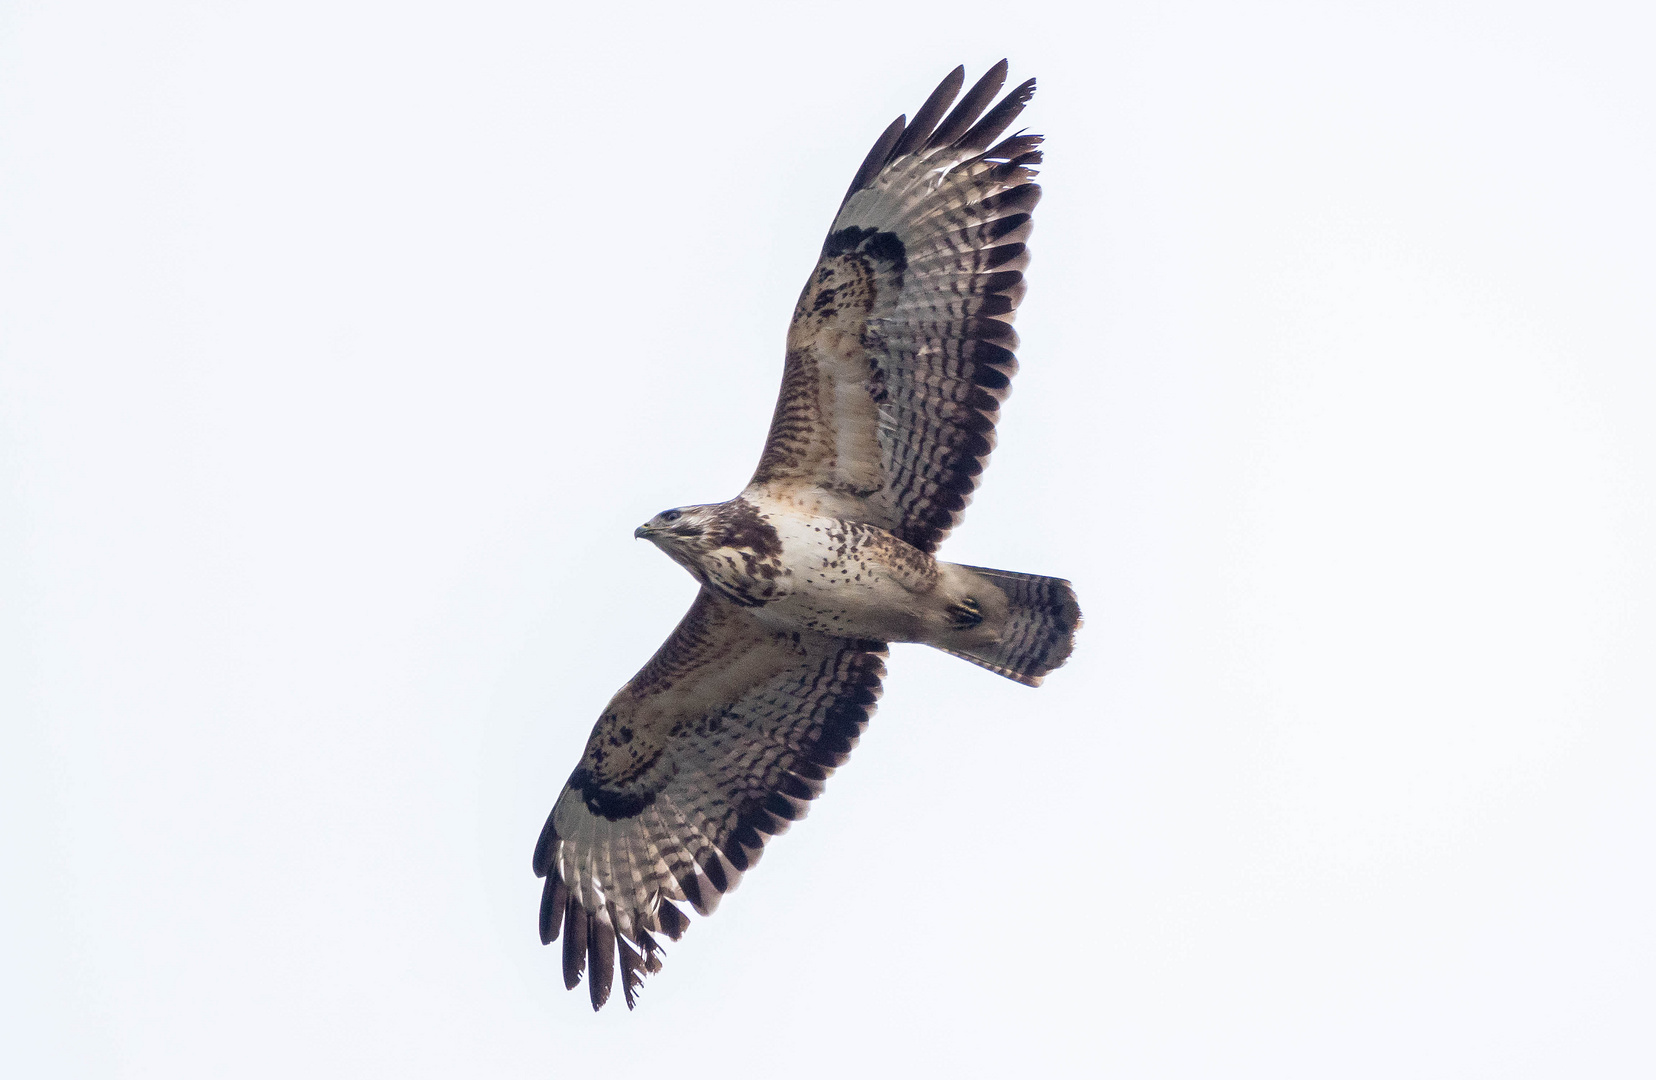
(901, 346)
(714, 746)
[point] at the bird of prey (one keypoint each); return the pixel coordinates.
(898, 358)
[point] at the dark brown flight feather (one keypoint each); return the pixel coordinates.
(927, 116)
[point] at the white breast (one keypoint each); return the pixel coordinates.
(849, 580)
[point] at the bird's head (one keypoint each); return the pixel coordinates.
(727, 545)
(682, 532)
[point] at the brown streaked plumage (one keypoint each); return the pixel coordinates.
(898, 358)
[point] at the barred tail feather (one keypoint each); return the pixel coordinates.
(1039, 629)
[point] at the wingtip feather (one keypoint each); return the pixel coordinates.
(876, 160)
(575, 943)
(554, 898)
(971, 106)
(927, 116)
(601, 938)
(545, 847)
(998, 119)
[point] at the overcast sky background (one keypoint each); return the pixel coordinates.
(343, 345)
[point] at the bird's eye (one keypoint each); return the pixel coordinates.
(671, 515)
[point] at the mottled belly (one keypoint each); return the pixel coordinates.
(854, 581)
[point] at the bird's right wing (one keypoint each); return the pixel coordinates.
(714, 746)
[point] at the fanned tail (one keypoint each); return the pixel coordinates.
(1038, 632)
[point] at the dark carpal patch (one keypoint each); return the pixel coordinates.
(884, 246)
(606, 802)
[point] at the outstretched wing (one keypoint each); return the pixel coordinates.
(714, 746)
(901, 347)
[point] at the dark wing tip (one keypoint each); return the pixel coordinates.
(554, 898)
(713, 867)
(673, 921)
(632, 977)
(544, 847)
(962, 126)
(601, 938)
(999, 118)
(575, 943)
(690, 886)
(652, 952)
(926, 118)
(876, 159)
(976, 99)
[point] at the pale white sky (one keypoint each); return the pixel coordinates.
(343, 345)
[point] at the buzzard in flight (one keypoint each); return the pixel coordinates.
(899, 355)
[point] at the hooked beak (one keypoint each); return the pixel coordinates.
(641, 533)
